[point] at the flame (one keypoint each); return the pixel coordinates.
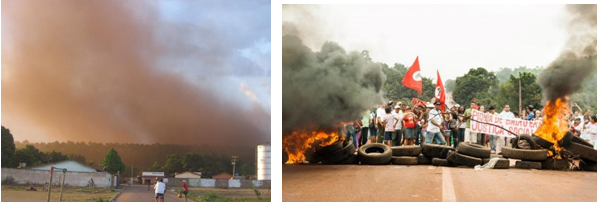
(554, 123)
(298, 142)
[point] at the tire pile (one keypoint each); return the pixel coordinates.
(531, 154)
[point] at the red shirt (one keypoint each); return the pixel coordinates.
(185, 186)
(409, 121)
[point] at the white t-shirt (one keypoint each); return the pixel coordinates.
(380, 112)
(160, 187)
(434, 115)
(590, 132)
(507, 114)
(400, 117)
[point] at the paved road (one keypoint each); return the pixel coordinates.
(394, 183)
(139, 193)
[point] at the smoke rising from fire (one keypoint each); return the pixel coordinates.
(103, 71)
(323, 88)
(565, 75)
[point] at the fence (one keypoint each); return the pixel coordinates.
(218, 183)
(39, 177)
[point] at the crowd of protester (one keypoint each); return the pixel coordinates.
(406, 125)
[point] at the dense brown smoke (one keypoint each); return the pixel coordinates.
(89, 71)
(565, 75)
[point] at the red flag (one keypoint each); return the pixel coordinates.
(413, 78)
(440, 96)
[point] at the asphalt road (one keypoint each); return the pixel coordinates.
(396, 183)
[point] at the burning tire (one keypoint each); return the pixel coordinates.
(473, 150)
(581, 141)
(326, 150)
(582, 151)
(406, 151)
(404, 160)
(463, 159)
(525, 154)
(339, 155)
(375, 154)
(542, 142)
(555, 164)
(587, 165)
(502, 163)
(567, 140)
(442, 162)
(528, 165)
(422, 159)
(436, 151)
(517, 144)
(352, 159)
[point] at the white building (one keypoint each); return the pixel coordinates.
(70, 165)
(188, 175)
(263, 162)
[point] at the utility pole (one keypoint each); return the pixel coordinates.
(62, 185)
(234, 162)
(50, 185)
(520, 113)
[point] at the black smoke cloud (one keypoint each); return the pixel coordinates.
(565, 75)
(90, 71)
(322, 88)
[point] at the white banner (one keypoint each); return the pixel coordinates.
(517, 126)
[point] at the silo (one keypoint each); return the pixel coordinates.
(263, 162)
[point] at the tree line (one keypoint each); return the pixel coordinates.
(169, 158)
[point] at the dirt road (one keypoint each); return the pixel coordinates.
(395, 183)
(140, 193)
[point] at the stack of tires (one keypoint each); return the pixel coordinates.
(437, 154)
(472, 154)
(529, 154)
(336, 153)
(405, 155)
(576, 147)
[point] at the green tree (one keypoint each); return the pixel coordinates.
(29, 155)
(193, 162)
(8, 148)
(155, 167)
(112, 162)
(54, 157)
(396, 91)
(173, 164)
(531, 92)
(78, 158)
(477, 83)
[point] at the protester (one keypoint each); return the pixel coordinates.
(492, 138)
(357, 125)
(365, 120)
(460, 125)
(506, 113)
(453, 124)
(538, 116)
(185, 189)
(589, 133)
(388, 124)
(159, 190)
(576, 127)
(422, 126)
(398, 135)
(446, 127)
(350, 134)
(469, 136)
(434, 128)
(530, 113)
(409, 132)
(380, 113)
(481, 136)
(373, 127)
(516, 115)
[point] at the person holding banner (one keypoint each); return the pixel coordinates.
(492, 138)
(506, 113)
(469, 136)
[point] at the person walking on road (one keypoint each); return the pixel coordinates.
(185, 189)
(159, 190)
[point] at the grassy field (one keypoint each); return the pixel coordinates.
(19, 193)
(228, 195)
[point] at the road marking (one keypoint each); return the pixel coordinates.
(448, 191)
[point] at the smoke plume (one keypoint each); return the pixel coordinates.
(565, 75)
(95, 71)
(322, 88)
